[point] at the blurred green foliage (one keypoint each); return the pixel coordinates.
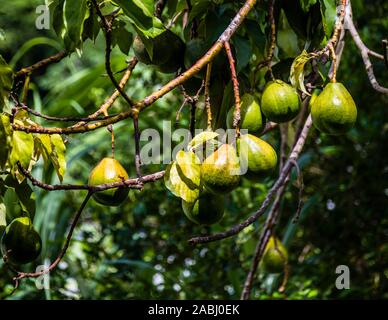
(140, 250)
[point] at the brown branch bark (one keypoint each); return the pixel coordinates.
(38, 65)
(133, 183)
(141, 105)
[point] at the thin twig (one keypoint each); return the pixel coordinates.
(269, 127)
(283, 144)
(107, 26)
(301, 189)
(38, 65)
(137, 148)
(22, 275)
(62, 119)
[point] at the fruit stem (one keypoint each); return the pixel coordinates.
(207, 96)
(273, 37)
(26, 87)
(110, 129)
(137, 146)
(334, 58)
(236, 115)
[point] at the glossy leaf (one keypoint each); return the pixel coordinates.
(75, 13)
(141, 15)
(329, 14)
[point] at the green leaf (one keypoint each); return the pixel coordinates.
(329, 15)
(12, 204)
(25, 194)
(5, 138)
(58, 155)
(141, 15)
(3, 221)
(53, 151)
(6, 80)
(297, 71)
(22, 149)
(123, 38)
(91, 26)
(182, 176)
(306, 4)
(243, 52)
(57, 17)
(200, 139)
(75, 13)
(199, 8)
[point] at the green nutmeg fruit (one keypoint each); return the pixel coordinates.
(168, 51)
(280, 102)
(275, 256)
(109, 170)
(257, 155)
(21, 243)
(334, 110)
(251, 117)
(206, 210)
(220, 172)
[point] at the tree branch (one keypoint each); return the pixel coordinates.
(107, 26)
(365, 52)
(28, 70)
(133, 183)
(22, 275)
(146, 102)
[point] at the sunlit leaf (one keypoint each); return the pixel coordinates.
(22, 148)
(201, 138)
(182, 176)
(297, 71)
(58, 155)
